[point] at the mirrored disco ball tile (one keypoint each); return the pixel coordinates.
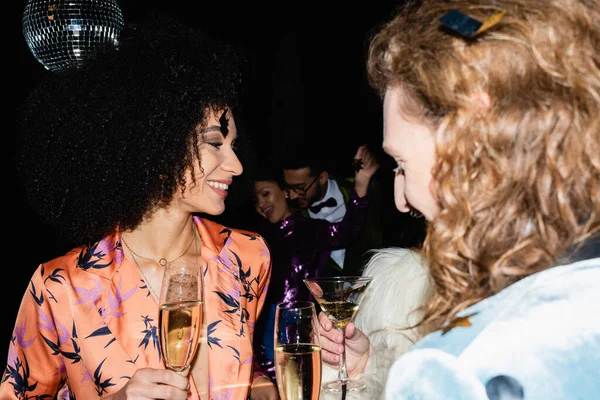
(61, 33)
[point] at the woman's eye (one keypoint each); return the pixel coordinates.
(400, 168)
(216, 145)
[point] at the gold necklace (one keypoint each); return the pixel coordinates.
(161, 261)
(196, 236)
(148, 285)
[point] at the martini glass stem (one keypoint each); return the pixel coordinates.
(342, 370)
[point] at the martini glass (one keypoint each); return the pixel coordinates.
(339, 298)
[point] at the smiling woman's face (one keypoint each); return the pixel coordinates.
(411, 144)
(270, 201)
(219, 165)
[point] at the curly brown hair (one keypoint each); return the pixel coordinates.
(518, 179)
(107, 144)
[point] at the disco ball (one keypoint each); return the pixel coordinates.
(60, 33)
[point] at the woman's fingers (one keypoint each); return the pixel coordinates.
(326, 324)
(330, 350)
(167, 392)
(330, 346)
(171, 378)
(350, 330)
(330, 358)
(360, 151)
(324, 321)
(327, 329)
(362, 154)
(330, 341)
(154, 383)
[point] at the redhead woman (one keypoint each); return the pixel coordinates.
(492, 114)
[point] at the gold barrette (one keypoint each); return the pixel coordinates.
(458, 321)
(466, 25)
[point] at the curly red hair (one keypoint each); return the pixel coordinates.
(518, 178)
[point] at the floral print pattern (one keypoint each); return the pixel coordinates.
(87, 323)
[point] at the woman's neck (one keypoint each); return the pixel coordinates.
(288, 212)
(163, 236)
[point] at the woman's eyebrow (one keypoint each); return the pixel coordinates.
(211, 128)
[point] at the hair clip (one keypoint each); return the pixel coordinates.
(465, 25)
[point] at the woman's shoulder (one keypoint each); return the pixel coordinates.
(244, 241)
(544, 317)
(102, 258)
(248, 238)
(60, 272)
(66, 261)
(565, 292)
(219, 228)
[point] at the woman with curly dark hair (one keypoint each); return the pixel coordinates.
(127, 155)
(492, 113)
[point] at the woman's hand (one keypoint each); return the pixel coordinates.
(151, 383)
(264, 389)
(367, 165)
(357, 346)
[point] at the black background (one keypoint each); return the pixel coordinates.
(308, 84)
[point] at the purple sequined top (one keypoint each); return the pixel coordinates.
(300, 248)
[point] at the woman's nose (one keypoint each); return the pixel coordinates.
(234, 165)
(399, 196)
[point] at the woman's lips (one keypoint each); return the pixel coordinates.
(268, 212)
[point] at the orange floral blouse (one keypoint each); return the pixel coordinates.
(88, 321)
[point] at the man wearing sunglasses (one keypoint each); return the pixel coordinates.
(321, 195)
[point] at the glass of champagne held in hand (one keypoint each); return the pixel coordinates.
(297, 351)
(181, 313)
(339, 298)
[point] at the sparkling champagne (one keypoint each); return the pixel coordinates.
(339, 312)
(180, 325)
(298, 371)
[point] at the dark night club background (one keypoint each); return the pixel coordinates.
(307, 85)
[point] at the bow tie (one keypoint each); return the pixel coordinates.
(330, 202)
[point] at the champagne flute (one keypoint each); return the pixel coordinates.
(297, 351)
(339, 298)
(181, 314)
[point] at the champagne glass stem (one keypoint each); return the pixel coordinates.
(342, 370)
